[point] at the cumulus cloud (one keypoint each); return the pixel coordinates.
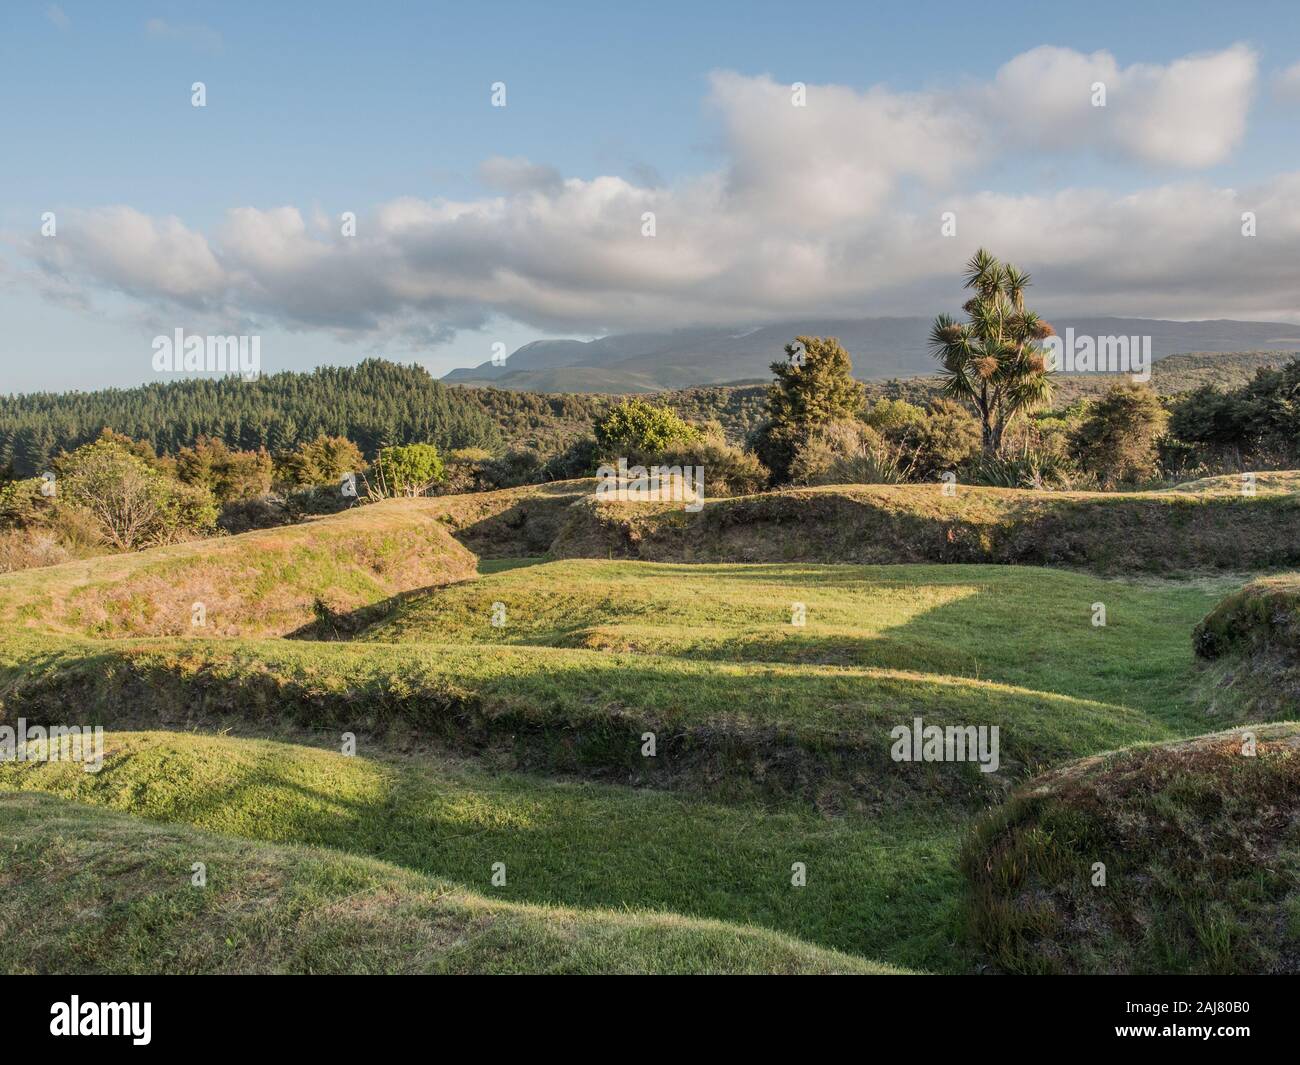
(58, 16)
(839, 155)
(830, 209)
(134, 254)
(1189, 113)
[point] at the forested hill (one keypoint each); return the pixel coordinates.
(374, 403)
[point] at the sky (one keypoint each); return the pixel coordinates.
(653, 166)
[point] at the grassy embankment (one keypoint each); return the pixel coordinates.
(758, 714)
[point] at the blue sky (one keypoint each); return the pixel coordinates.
(327, 107)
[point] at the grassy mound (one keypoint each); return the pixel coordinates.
(266, 582)
(1201, 848)
(281, 909)
(1264, 615)
(1267, 482)
(1252, 639)
(1022, 626)
(511, 522)
(1150, 532)
(732, 728)
(880, 885)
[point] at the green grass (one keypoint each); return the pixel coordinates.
(879, 886)
(735, 729)
(522, 743)
(1021, 626)
(1251, 642)
(95, 891)
(258, 583)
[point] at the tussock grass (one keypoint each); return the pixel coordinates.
(1201, 854)
(95, 891)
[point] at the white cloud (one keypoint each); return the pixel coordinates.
(58, 16)
(832, 209)
(1190, 113)
(840, 155)
(132, 253)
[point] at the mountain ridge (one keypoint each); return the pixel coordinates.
(881, 348)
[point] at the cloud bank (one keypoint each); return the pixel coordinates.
(830, 208)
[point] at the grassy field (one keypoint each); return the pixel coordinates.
(1030, 628)
(502, 717)
(878, 886)
(94, 891)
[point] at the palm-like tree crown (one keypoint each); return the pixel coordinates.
(994, 360)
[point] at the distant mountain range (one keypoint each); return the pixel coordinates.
(881, 348)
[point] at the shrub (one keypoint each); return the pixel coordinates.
(893, 416)
(814, 387)
(228, 475)
(463, 470)
(321, 461)
(848, 452)
(132, 504)
(1030, 469)
(406, 470)
(1117, 439)
(579, 459)
(942, 439)
(727, 469)
(515, 467)
(637, 426)
(27, 548)
(775, 446)
(22, 506)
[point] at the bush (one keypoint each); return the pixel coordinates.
(776, 445)
(406, 470)
(515, 467)
(321, 461)
(21, 549)
(228, 475)
(848, 452)
(635, 426)
(132, 504)
(1031, 469)
(893, 417)
(814, 387)
(22, 506)
(942, 439)
(579, 459)
(727, 470)
(1255, 426)
(463, 470)
(1117, 440)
